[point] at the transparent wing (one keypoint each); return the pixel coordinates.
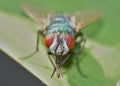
(84, 18)
(38, 15)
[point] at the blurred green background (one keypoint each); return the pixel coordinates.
(105, 31)
(109, 30)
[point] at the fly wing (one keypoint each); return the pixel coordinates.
(38, 15)
(44, 17)
(85, 18)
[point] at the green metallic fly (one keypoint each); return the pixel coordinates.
(60, 32)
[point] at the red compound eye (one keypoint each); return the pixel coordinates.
(49, 40)
(70, 41)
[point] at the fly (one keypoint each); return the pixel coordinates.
(60, 32)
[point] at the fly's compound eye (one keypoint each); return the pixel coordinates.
(49, 40)
(70, 41)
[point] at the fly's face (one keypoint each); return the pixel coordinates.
(59, 43)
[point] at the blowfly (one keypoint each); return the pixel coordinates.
(60, 31)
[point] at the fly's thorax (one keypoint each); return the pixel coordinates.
(60, 24)
(59, 43)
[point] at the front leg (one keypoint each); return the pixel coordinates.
(49, 53)
(66, 58)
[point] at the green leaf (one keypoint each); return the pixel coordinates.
(18, 39)
(100, 60)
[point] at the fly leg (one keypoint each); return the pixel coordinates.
(80, 43)
(66, 58)
(54, 66)
(49, 53)
(39, 32)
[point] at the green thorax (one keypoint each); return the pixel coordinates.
(60, 24)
